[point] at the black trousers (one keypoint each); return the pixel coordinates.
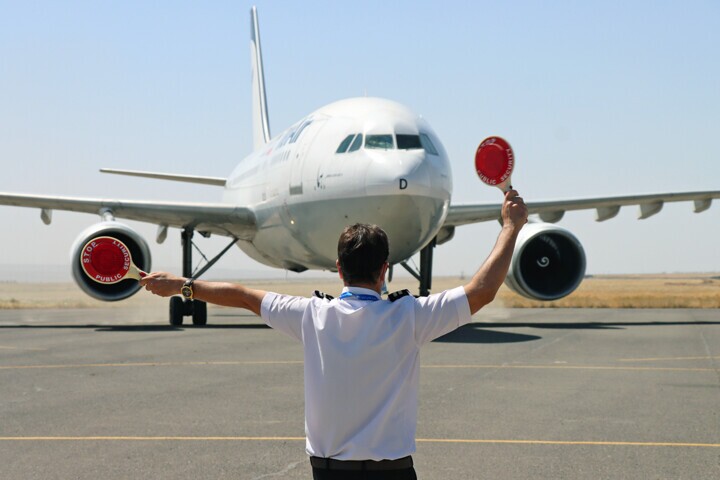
(324, 474)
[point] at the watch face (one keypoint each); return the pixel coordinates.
(186, 291)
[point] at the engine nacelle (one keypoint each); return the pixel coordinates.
(548, 262)
(138, 249)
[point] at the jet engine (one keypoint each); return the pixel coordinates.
(138, 249)
(548, 262)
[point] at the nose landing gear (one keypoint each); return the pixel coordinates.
(424, 276)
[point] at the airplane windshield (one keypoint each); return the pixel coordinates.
(342, 148)
(379, 141)
(354, 142)
(357, 143)
(408, 142)
(427, 144)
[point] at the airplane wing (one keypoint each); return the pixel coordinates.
(221, 219)
(605, 207)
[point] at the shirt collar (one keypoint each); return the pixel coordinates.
(361, 291)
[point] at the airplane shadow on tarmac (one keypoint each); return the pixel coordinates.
(480, 333)
(470, 333)
(477, 333)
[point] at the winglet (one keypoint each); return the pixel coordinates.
(261, 123)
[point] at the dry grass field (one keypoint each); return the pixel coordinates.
(633, 291)
(601, 291)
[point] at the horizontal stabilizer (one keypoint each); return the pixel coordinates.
(220, 182)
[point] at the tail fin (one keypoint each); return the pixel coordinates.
(261, 123)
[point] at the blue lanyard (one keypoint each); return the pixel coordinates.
(359, 296)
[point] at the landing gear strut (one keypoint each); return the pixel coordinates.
(425, 274)
(181, 307)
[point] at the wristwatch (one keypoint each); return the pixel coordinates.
(186, 290)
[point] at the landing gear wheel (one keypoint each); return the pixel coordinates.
(199, 312)
(177, 311)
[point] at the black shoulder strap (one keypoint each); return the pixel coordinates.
(320, 294)
(399, 294)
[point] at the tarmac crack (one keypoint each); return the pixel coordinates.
(281, 473)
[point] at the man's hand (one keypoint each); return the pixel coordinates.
(162, 283)
(514, 210)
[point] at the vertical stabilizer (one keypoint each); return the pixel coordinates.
(261, 123)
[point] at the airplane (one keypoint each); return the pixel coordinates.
(363, 159)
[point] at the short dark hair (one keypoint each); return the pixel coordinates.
(362, 250)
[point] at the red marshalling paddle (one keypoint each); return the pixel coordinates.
(494, 162)
(107, 260)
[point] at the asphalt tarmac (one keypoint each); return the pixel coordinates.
(117, 393)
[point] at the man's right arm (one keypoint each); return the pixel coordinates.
(484, 285)
(219, 293)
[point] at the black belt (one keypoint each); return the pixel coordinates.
(332, 464)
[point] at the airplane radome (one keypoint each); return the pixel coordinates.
(368, 160)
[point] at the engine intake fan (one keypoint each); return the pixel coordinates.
(548, 262)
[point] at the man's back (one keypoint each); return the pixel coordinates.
(361, 365)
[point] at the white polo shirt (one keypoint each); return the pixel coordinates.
(362, 366)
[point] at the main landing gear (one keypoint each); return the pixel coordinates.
(181, 307)
(424, 276)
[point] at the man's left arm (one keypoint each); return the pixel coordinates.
(485, 284)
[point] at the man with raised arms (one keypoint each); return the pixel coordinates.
(361, 352)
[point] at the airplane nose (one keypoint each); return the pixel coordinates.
(393, 172)
(407, 194)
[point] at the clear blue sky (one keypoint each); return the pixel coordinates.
(597, 98)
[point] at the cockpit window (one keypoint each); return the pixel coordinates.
(379, 141)
(357, 143)
(345, 144)
(427, 144)
(408, 142)
(300, 130)
(354, 142)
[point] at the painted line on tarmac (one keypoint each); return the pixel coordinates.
(299, 439)
(151, 364)
(577, 367)
(3, 347)
(668, 358)
(571, 442)
(299, 362)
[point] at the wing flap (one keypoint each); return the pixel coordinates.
(702, 205)
(649, 209)
(606, 213)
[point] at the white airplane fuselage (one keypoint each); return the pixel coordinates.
(303, 191)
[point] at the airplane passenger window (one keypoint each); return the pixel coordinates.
(345, 143)
(427, 144)
(379, 141)
(408, 142)
(357, 143)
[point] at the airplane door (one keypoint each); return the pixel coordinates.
(303, 138)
